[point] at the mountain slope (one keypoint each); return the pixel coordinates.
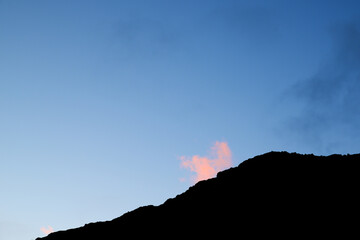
(269, 195)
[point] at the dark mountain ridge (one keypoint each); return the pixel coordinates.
(275, 194)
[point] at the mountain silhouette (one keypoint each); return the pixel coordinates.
(277, 194)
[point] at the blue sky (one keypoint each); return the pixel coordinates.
(100, 99)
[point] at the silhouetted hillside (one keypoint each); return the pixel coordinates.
(277, 194)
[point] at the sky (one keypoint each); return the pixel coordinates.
(106, 106)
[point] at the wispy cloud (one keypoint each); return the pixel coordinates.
(207, 167)
(331, 114)
(47, 230)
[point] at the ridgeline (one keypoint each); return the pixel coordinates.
(277, 194)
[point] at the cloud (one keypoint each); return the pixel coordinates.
(47, 231)
(142, 33)
(207, 167)
(330, 118)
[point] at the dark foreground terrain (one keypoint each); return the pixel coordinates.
(277, 194)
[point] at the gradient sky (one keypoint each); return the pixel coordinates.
(100, 100)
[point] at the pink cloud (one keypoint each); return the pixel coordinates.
(47, 231)
(208, 167)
